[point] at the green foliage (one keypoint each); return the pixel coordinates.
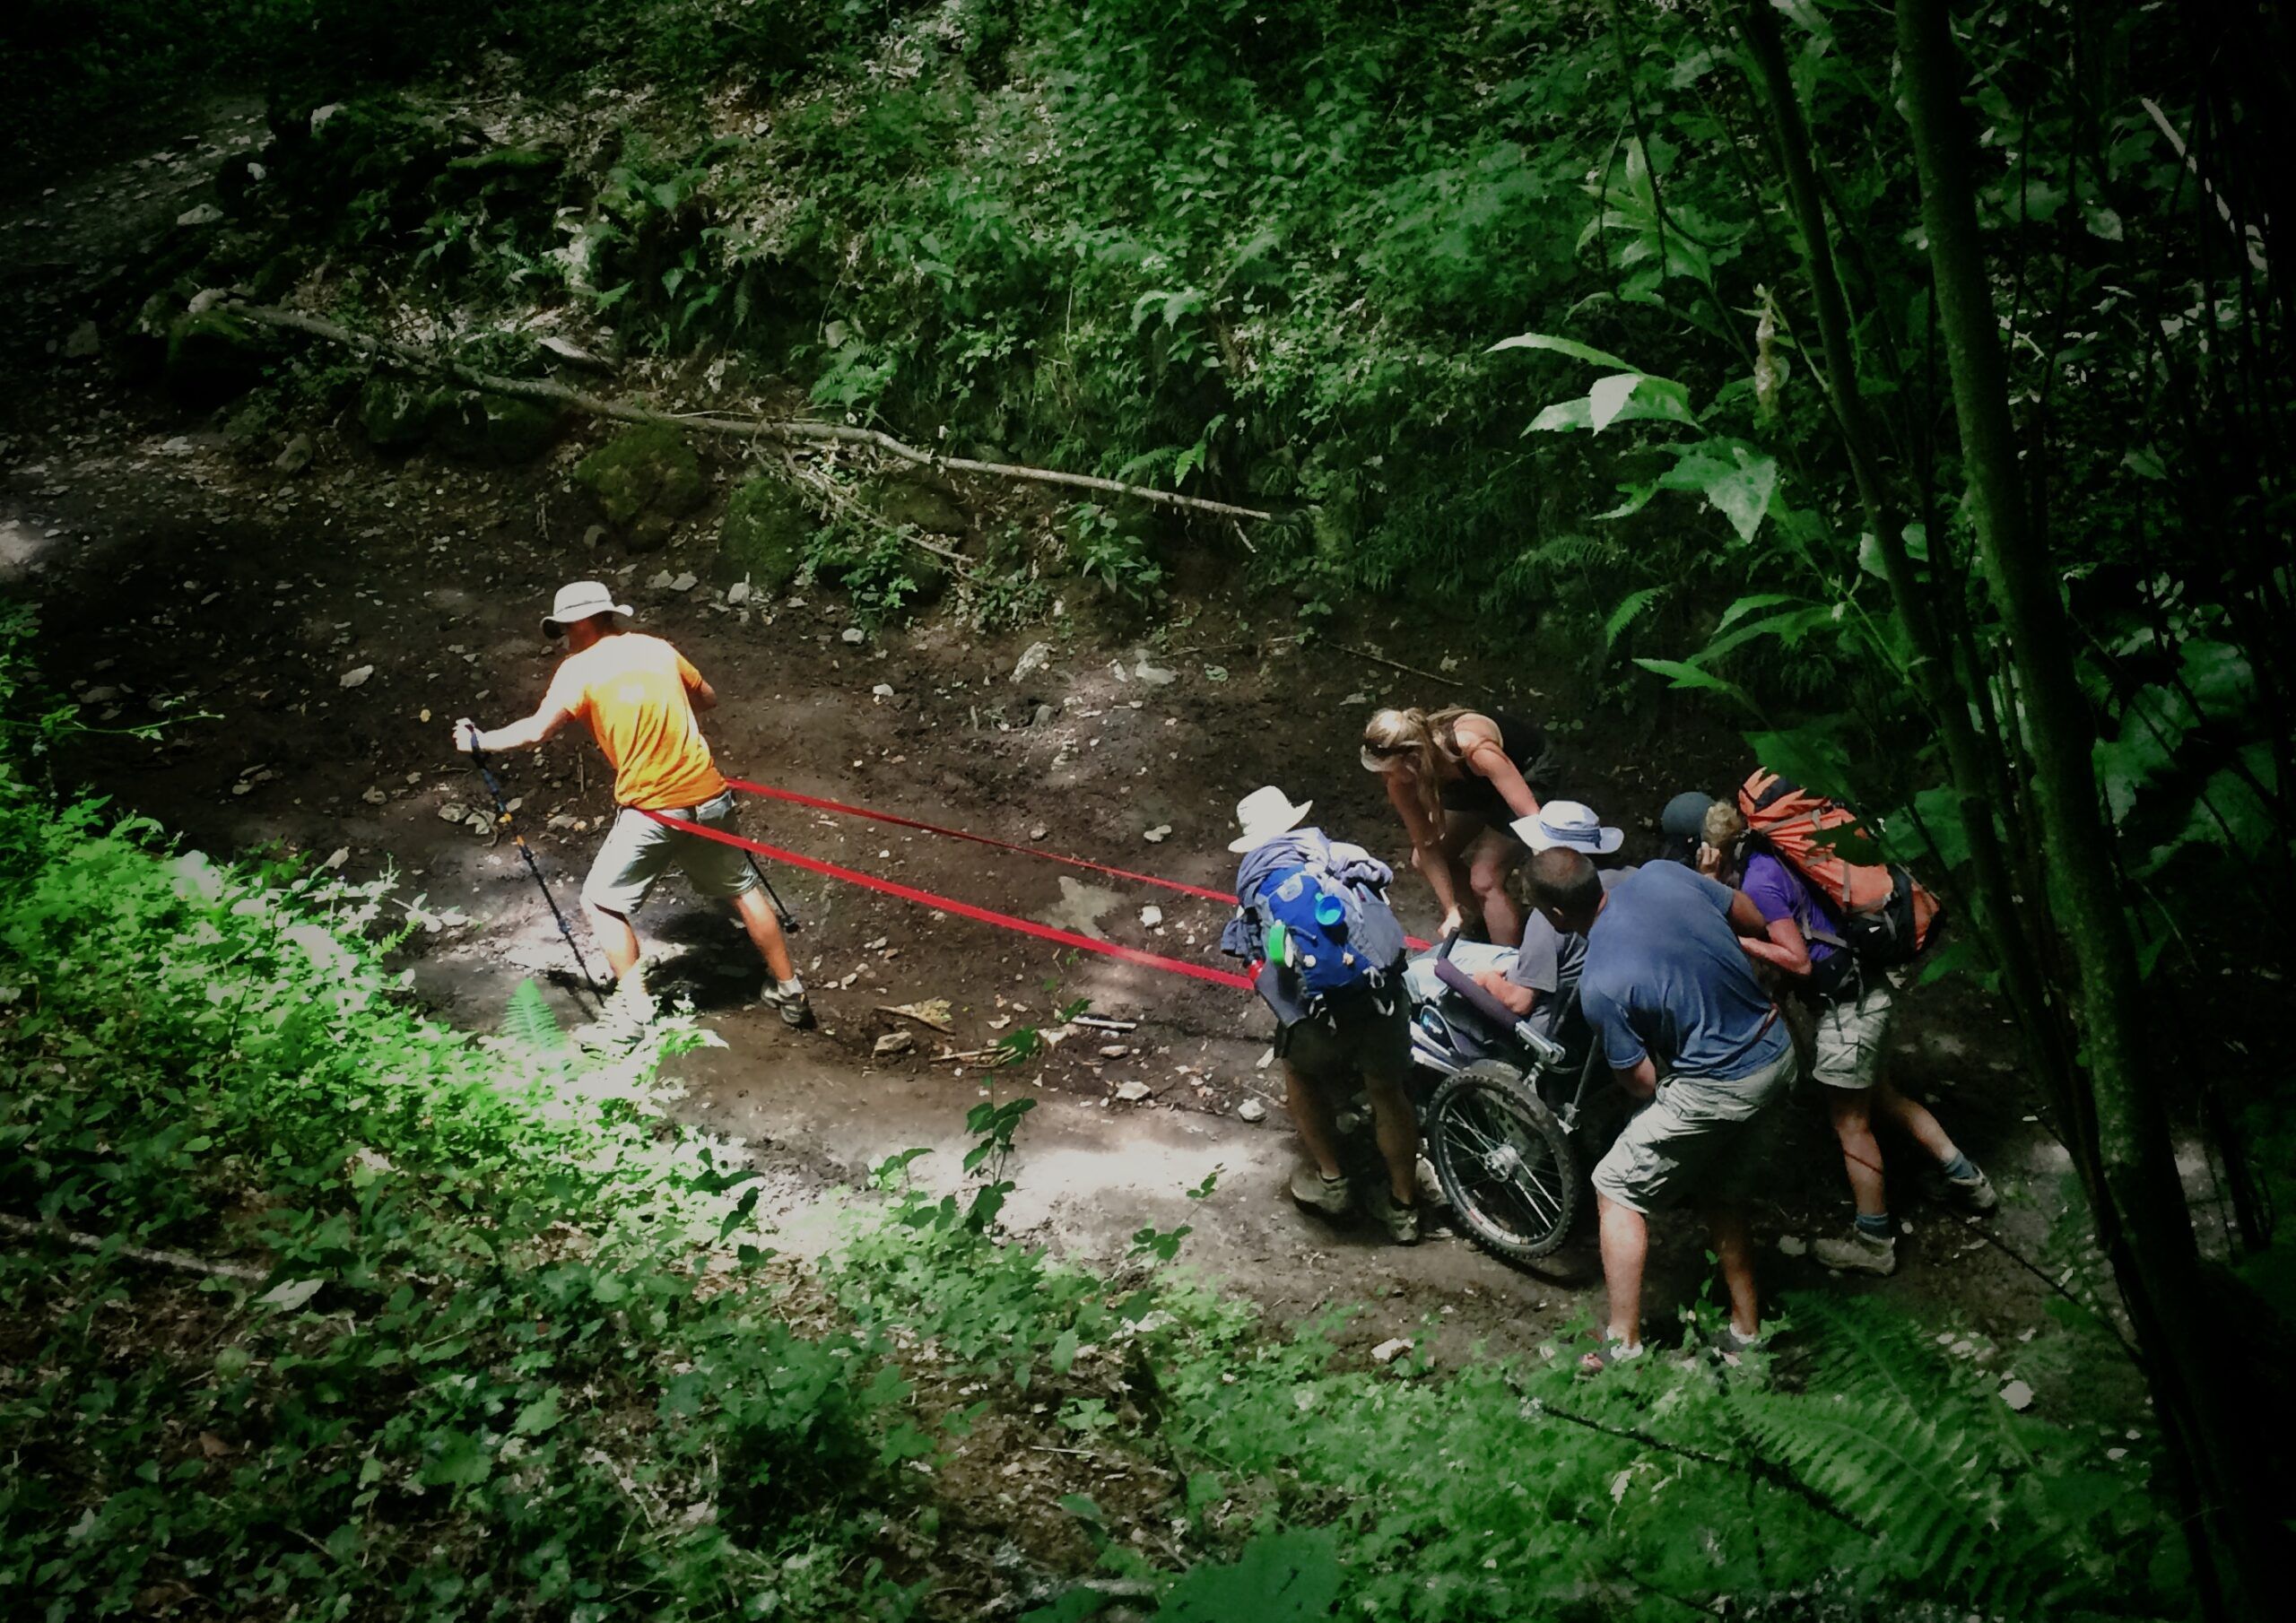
(482, 1363)
(530, 1023)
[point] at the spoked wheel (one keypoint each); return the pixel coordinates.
(1504, 1162)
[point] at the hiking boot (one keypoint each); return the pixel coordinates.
(1861, 1253)
(1329, 1195)
(1400, 1221)
(790, 1003)
(1972, 1193)
(620, 1025)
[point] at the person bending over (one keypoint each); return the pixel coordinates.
(1538, 983)
(637, 695)
(1851, 1005)
(1332, 1040)
(1687, 1029)
(1458, 779)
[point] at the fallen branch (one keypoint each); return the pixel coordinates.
(906, 1011)
(826, 488)
(783, 430)
(1381, 659)
(178, 1260)
(1098, 1024)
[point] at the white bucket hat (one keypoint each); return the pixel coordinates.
(1264, 813)
(1566, 822)
(579, 601)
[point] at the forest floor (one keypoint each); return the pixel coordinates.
(180, 578)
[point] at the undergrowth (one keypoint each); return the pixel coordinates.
(370, 1317)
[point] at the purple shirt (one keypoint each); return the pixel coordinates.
(1779, 892)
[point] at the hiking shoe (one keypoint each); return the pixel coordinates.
(1972, 1193)
(616, 1031)
(1317, 1192)
(796, 1012)
(1861, 1253)
(622, 1022)
(1400, 1221)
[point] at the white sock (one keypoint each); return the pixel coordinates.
(792, 987)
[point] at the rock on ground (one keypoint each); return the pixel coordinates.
(498, 428)
(764, 532)
(212, 357)
(643, 482)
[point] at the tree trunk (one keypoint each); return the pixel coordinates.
(2143, 1221)
(1996, 913)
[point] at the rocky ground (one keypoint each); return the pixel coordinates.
(308, 612)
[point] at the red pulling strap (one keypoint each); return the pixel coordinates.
(1067, 938)
(819, 805)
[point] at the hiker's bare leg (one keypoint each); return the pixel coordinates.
(765, 932)
(1626, 1244)
(1912, 1117)
(1398, 1133)
(616, 937)
(1311, 1114)
(1490, 857)
(1861, 1151)
(1734, 1249)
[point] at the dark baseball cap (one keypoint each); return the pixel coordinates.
(1683, 823)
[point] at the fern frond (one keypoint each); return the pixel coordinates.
(530, 1022)
(1861, 1347)
(1891, 1437)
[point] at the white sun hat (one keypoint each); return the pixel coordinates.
(1264, 813)
(579, 601)
(1566, 822)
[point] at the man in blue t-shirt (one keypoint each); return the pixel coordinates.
(1684, 1026)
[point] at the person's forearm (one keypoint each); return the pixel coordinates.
(518, 735)
(1435, 863)
(1501, 774)
(1639, 1081)
(1519, 1000)
(1768, 951)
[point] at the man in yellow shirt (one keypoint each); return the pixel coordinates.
(637, 695)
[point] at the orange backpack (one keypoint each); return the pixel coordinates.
(1887, 917)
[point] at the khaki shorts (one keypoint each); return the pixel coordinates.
(1360, 1034)
(1847, 1047)
(639, 851)
(1698, 1138)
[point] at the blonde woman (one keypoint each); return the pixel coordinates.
(1457, 779)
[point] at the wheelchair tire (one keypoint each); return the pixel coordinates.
(1504, 1161)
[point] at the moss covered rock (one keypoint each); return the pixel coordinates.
(212, 357)
(763, 534)
(919, 506)
(643, 482)
(395, 414)
(499, 429)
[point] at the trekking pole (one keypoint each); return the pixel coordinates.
(502, 814)
(788, 919)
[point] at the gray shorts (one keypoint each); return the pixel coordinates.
(1360, 1033)
(639, 851)
(1697, 1139)
(1847, 1045)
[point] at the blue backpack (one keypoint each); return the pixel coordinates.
(1324, 932)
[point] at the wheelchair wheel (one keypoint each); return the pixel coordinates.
(1504, 1162)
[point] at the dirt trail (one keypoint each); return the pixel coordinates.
(178, 579)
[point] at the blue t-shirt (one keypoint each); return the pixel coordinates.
(1665, 980)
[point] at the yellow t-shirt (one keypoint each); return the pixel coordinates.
(634, 691)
